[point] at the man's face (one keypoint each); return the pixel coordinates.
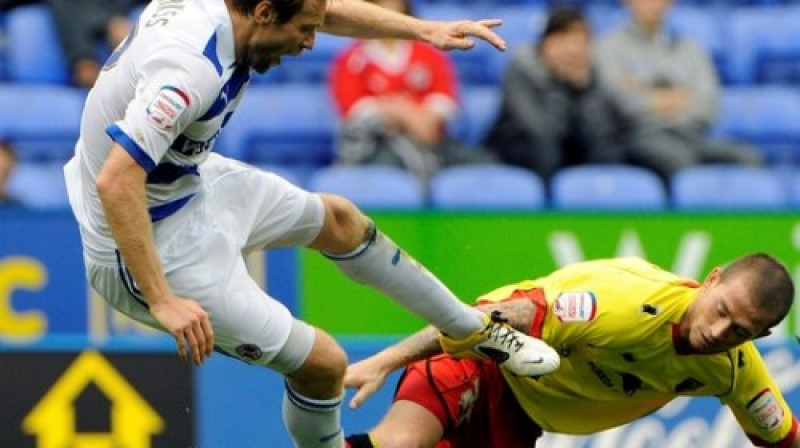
(272, 40)
(570, 48)
(724, 315)
(649, 12)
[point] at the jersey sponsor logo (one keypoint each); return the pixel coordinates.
(165, 109)
(575, 306)
(189, 147)
(765, 410)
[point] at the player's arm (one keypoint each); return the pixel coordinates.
(121, 187)
(360, 19)
(368, 376)
(758, 403)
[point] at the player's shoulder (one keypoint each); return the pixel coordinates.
(198, 27)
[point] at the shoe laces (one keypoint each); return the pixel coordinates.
(499, 330)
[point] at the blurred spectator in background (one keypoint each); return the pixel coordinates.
(396, 99)
(8, 161)
(556, 110)
(671, 81)
(88, 29)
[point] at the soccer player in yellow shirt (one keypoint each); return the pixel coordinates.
(631, 336)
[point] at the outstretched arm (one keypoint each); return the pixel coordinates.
(360, 19)
(369, 374)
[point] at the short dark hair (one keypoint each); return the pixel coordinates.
(285, 9)
(562, 19)
(771, 285)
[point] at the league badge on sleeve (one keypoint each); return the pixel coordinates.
(765, 410)
(167, 106)
(575, 306)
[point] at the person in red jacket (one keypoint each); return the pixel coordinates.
(396, 99)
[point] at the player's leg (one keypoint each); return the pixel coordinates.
(205, 262)
(438, 401)
(314, 392)
(406, 424)
(254, 327)
(368, 256)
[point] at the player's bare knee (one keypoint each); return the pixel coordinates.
(345, 226)
(322, 374)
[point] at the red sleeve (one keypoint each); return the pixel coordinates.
(785, 443)
(445, 81)
(347, 85)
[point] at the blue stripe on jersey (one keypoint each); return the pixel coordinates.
(162, 211)
(167, 173)
(133, 148)
(210, 52)
(229, 91)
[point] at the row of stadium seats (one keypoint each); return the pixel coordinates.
(749, 44)
(295, 124)
(500, 187)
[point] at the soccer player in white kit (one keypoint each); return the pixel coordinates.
(165, 223)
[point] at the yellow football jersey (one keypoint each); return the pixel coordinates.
(614, 322)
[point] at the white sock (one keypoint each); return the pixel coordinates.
(381, 263)
(313, 423)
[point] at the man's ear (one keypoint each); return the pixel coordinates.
(264, 13)
(713, 276)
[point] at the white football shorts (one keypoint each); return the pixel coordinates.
(241, 209)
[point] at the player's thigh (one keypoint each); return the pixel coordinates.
(260, 209)
(248, 323)
(407, 424)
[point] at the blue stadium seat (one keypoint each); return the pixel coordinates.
(604, 17)
(39, 185)
(609, 187)
(312, 66)
(41, 121)
(765, 44)
(370, 186)
(479, 108)
(719, 187)
(522, 25)
(291, 125)
(768, 117)
(487, 187)
(792, 179)
(34, 48)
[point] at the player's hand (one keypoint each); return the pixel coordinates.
(189, 324)
(458, 35)
(367, 377)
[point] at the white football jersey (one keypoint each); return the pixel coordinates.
(163, 95)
